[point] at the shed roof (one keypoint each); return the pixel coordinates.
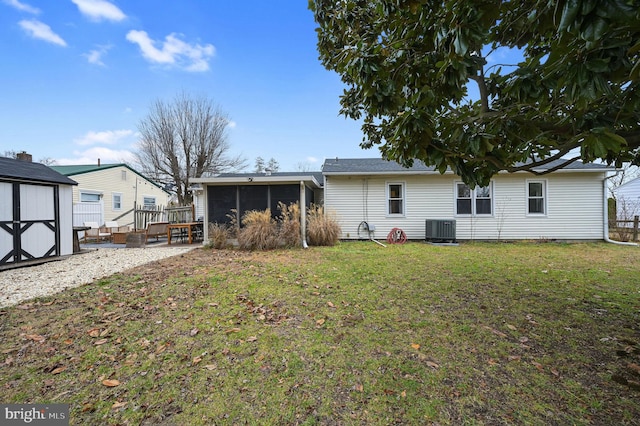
(381, 166)
(13, 169)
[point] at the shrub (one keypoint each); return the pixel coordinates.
(259, 231)
(218, 235)
(289, 225)
(323, 228)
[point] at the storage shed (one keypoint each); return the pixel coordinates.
(35, 213)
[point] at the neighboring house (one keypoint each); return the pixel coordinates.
(568, 204)
(35, 213)
(627, 198)
(108, 192)
(240, 192)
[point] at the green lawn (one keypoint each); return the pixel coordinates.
(354, 334)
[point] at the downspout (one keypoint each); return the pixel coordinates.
(606, 214)
(303, 214)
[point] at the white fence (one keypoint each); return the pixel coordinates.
(88, 212)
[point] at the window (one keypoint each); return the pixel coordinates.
(395, 198)
(90, 197)
(117, 201)
(536, 194)
(149, 202)
(123, 175)
(473, 202)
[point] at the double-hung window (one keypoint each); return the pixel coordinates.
(117, 201)
(395, 198)
(474, 202)
(536, 197)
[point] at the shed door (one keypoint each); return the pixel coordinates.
(28, 222)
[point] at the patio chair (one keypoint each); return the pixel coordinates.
(112, 226)
(95, 232)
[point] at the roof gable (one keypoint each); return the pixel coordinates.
(74, 170)
(35, 172)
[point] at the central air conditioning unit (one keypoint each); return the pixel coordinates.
(440, 230)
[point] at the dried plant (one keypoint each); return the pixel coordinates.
(259, 231)
(289, 224)
(218, 235)
(323, 228)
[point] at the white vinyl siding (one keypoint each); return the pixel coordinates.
(573, 206)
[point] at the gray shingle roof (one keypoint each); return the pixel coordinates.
(379, 165)
(33, 172)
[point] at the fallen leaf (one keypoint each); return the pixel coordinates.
(68, 342)
(211, 367)
(514, 357)
(415, 346)
(403, 394)
(537, 365)
(118, 405)
(492, 361)
(35, 337)
(634, 367)
(196, 360)
(523, 339)
(320, 321)
(494, 331)
(511, 327)
(94, 332)
(232, 330)
(432, 364)
(555, 372)
(101, 342)
(193, 332)
(58, 370)
(331, 305)
(359, 387)
(252, 339)
(111, 383)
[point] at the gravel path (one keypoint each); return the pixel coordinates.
(17, 285)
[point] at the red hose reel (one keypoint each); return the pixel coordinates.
(397, 236)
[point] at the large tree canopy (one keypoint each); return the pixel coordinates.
(408, 64)
(183, 139)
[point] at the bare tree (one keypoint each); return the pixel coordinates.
(184, 139)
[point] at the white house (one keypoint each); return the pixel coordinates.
(108, 192)
(35, 212)
(568, 204)
(628, 200)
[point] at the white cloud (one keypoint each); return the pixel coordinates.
(174, 52)
(312, 160)
(109, 137)
(98, 10)
(91, 156)
(95, 56)
(23, 7)
(232, 124)
(42, 31)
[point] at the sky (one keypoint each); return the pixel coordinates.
(78, 76)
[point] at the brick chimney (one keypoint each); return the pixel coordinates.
(23, 156)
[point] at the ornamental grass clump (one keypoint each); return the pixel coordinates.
(289, 225)
(323, 228)
(219, 235)
(259, 231)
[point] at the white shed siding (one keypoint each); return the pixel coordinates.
(66, 219)
(6, 214)
(574, 206)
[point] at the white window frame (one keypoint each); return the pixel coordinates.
(544, 197)
(144, 201)
(402, 199)
(115, 195)
(83, 192)
(474, 198)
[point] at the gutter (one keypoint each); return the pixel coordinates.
(606, 215)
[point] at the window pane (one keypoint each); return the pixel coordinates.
(463, 206)
(149, 201)
(463, 191)
(117, 202)
(536, 205)
(395, 191)
(89, 198)
(483, 206)
(395, 206)
(535, 189)
(484, 192)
